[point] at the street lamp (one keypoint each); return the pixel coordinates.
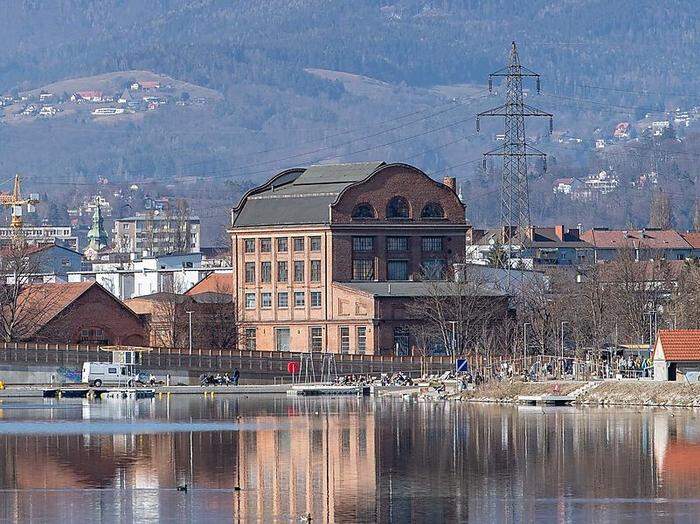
(562, 338)
(525, 324)
(189, 316)
(454, 341)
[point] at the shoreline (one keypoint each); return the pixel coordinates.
(595, 393)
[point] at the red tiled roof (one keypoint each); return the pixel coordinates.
(680, 345)
(213, 283)
(44, 301)
(645, 239)
(693, 238)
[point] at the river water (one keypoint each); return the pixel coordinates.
(277, 459)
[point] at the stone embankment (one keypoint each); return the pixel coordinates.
(598, 393)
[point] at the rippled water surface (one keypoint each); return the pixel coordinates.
(277, 459)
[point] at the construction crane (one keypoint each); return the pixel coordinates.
(16, 203)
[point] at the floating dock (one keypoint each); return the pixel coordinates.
(328, 389)
(556, 400)
(105, 393)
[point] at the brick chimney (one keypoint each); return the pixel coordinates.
(559, 231)
(450, 182)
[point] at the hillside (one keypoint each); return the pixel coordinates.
(297, 82)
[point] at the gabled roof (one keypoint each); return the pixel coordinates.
(693, 238)
(44, 302)
(300, 196)
(640, 239)
(679, 345)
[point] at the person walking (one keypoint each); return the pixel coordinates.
(235, 376)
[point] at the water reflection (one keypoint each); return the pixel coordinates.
(346, 460)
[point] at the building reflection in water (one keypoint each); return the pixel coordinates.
(351, 460)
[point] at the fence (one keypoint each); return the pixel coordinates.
(250, 363)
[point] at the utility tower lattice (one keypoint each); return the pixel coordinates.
(515, 198)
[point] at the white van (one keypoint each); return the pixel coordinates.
(100, 374)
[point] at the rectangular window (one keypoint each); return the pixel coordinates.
(298, 271)
(266, 300)
(282, 275)
(432, 244)
(396, 244)
(362, 244)
(250, 339)
(361, 339)
(265, 245)
(344, 339)
(283, 300)
(315, 271)
(315, 243)
(250, 300)
(315, 299)
(401, 341)
(316, 334)
(298, 243)
(282, 339)
(299, 299)
(249, 245)
(363, 269)
(397, 270)
(265, 272)
(282, 245)
(249, 272)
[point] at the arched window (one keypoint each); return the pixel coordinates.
(363, 211)
(432, 210)
(397, 208)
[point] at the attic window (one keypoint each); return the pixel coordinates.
(432, 210)
(362, 211)
(397, 208)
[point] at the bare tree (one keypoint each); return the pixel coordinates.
(661, 214)
(455, 310)
(20, 266)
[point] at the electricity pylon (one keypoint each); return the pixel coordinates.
(515, 198)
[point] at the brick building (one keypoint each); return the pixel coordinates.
(76, 313)
(307, 243)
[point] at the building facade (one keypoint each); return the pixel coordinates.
(301, 240)
(157, 234)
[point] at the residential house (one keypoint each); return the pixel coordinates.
(48, 263)
(315, 248)
(566, 186)
(693, 240)
(543, 246)
(154, 234)
(644, 244)
(622, 131)
(677, 355)
(87, 96)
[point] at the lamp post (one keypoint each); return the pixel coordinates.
(189, 316)
(454, 340)
(561, 365)
(525, 324)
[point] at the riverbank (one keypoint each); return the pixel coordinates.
(599, 393)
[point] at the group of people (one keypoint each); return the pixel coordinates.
(210, 379)
(635, 366)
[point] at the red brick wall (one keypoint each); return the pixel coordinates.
(418, 189)
(96, 308)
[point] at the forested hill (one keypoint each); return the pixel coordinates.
(636, 44)
(305, 81)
